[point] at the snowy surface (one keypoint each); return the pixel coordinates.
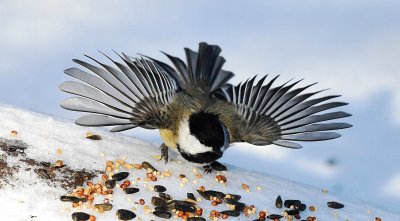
(32, 196)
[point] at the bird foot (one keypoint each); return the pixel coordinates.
(207, 169)
(218, 166)
(164, 153)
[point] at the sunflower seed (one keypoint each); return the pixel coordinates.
(191, 196)
(146, 165)
(233, 213)
(79, 216)
(209, 194)
(120, 176)
(157, 201)
(131, 190)
(162, 214)
(335, 205)
(184, 206)
(104, 206)
(289, 203)
(159, 188)
(124, 214)
(72, 199)
(278, 202)
(198, 218)
(274, 216)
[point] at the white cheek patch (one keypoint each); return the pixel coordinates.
(189, 143)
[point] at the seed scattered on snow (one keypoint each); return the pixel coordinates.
(104, 206)
(131, 190)
(124, 214)
(147, 166)
(246, 187)
(335, 205)
(79, 216)
(93, 136)
(159, 188)
(14, 133)
(120, 176)
(163, 214)
(278, 202)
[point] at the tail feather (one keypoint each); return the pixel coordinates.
(203, 69)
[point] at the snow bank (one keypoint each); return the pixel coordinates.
(28, 197)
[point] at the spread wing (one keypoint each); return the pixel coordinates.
(134, 93)
(281, 115)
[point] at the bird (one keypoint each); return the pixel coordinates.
(198, 113)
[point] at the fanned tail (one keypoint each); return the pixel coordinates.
(203, 69)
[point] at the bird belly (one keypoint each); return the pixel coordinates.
(169, 138)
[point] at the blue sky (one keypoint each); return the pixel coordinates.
(351, 47)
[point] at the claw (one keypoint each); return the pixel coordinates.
(207, 169)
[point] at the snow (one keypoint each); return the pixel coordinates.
(32, 198)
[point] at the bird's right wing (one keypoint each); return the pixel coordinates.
(276, 115)
(133, 94)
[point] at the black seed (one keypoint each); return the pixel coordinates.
(162, 214)
(79, 216)
(72, 199)
(196, 219)
(233, 197)
(120, 176)
(164, 196)
(191, 196)
(335, 205)
(157, 201)
(184, 206)
(105, 206)
(162, 208)
(110, 184)
(209, 194)
(233, 213)
(159, 188)
(278, 202)
(131, 190)
(146, 165)
(292, 212)
(44, 174)
(289, 203)
(238, 205)
(124, 214)
(274, 216)
(302, 207)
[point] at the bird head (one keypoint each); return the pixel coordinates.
(202, 138)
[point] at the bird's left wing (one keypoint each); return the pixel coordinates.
(279, 115)
(130, 94)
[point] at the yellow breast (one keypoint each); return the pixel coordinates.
(169, 137)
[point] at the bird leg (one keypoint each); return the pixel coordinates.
(164, 153)
(218, 166)
(207, 168)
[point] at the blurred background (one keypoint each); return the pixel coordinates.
(352, 47)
